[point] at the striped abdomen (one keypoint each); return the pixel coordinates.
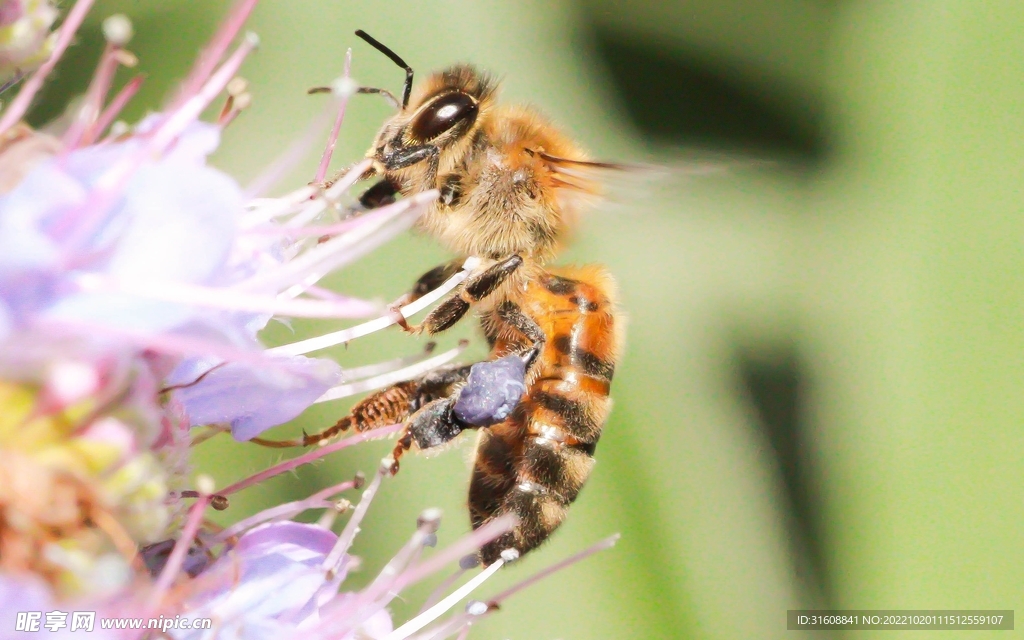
(535, 463)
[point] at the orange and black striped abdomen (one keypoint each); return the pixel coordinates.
(535, 463)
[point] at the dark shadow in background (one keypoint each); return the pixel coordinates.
(675, 99)
(776, 387)
(678, 100)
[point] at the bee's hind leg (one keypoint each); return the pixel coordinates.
(384, 408)
(432, 426)
(492, 391)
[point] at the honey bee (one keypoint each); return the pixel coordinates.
(511, 186)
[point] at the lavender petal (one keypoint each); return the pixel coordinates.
(271, 578)
(254, 398)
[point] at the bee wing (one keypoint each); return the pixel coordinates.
(611, 185)
(587, 184)
(589, 176)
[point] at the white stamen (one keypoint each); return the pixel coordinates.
(112, 181)
(381, 591)
(262, 210)
(384, 380)
(117, 29)
(338, 337)
(436, 611)
(223, 298)
(205, 484)
(346, 248)
(332, 563)
(430, 517)
(477, 608)
(243, 101)
(190, 110)
(301, 202)
(332, 140)
(126, 58)
(380, 368)
(236, 86)
(344, 87)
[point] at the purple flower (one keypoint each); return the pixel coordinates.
(267, 584)
(281, 579)
(27, 596)
(173, 222)
(144, 245)
(260, 397)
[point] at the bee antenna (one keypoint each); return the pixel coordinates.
(394, 58)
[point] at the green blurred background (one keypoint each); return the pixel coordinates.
(820, 403)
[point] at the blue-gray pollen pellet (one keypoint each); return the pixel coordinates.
(492, 391)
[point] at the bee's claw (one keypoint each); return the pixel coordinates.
(399, 318)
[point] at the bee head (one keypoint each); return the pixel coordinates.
(434, 131)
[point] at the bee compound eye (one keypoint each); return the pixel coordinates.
(442, 114)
